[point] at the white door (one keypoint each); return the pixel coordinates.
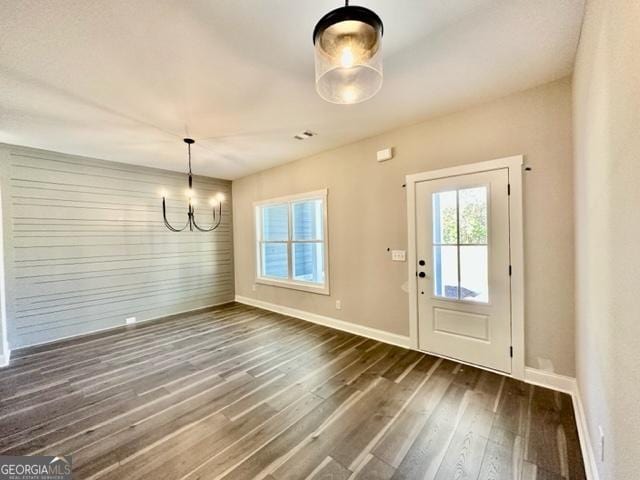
(463, 272)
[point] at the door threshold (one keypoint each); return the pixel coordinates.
(463, 362)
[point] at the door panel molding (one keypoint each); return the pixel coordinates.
(477, 326)
(514, 167)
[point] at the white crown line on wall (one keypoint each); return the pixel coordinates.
(533, 376)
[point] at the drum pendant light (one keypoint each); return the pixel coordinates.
(348, 54)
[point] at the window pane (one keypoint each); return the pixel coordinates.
(275, 222)
(445, 229)
(445, 271)
(275, 263)
(473, 215)
(474, 283)
(308, 220)
(308, 262)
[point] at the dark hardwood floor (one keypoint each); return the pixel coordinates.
(241, 393)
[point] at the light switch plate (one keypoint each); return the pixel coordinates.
(130, 320)
(398, 255)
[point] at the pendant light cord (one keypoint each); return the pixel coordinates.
(189, 148)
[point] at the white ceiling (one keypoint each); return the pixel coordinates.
(125, 80)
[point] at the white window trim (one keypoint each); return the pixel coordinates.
(292, 284)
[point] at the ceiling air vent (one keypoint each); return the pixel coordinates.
(304, 135)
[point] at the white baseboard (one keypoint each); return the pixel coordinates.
(588, 453)
(554, 381)
(562, 383)
(373, 333)
(116, 327)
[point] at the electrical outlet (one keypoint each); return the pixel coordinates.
(338, 305)
(130, 320)
(601, 442)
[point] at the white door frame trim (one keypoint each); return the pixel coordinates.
(5, 351)
(516, 235)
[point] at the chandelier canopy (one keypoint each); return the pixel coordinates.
(216, 204)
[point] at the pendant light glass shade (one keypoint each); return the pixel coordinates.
(348, 55)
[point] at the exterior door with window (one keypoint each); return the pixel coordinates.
(463, 283)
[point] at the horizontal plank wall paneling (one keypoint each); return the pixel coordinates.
(86, 247)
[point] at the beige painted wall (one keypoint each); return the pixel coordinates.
(367, 214)
(607, 179)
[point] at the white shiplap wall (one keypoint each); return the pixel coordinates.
(85, 246)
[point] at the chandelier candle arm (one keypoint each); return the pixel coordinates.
(216, 220)
(166, 222)
(191, 217)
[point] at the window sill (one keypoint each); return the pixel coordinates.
(319, 289)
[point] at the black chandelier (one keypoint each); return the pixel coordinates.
(216, 204)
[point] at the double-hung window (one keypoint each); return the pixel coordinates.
(291, 248)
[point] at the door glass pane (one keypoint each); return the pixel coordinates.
(474, 282)
(275, 222)
(445, 229)
(308, 220)
(308, 262)
(275, 263)
(445, 271)
(473, 215)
